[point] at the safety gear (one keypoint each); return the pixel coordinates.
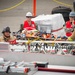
(72, 14)
(70, 39)
(29, 15)
(7, 39)
(7, 29)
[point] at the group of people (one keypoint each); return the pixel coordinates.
(30, 25)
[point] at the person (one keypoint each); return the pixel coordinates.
(70, 24)
(72, 37)
(28, 23)
(6, 37)
(21, 28)
(29, 27)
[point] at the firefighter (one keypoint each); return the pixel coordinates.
(6, 37)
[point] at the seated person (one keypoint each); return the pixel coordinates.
(28, 23)
(6, 37)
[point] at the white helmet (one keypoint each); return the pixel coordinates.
(28, 14)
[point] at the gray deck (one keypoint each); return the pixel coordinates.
(65, 60)
(42, 73)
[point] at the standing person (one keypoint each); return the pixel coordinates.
(6, 37)
(70, 24)
(28, 23)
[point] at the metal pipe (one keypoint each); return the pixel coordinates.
(34, 8)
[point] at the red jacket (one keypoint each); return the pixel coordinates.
(29, 27)
(69, 25)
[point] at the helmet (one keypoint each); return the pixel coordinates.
(72, 14)
(7, 29)
(29, 14)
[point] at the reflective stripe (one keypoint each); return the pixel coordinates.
(69, 39)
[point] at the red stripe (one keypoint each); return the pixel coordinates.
(57, 29)
(56, 70)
